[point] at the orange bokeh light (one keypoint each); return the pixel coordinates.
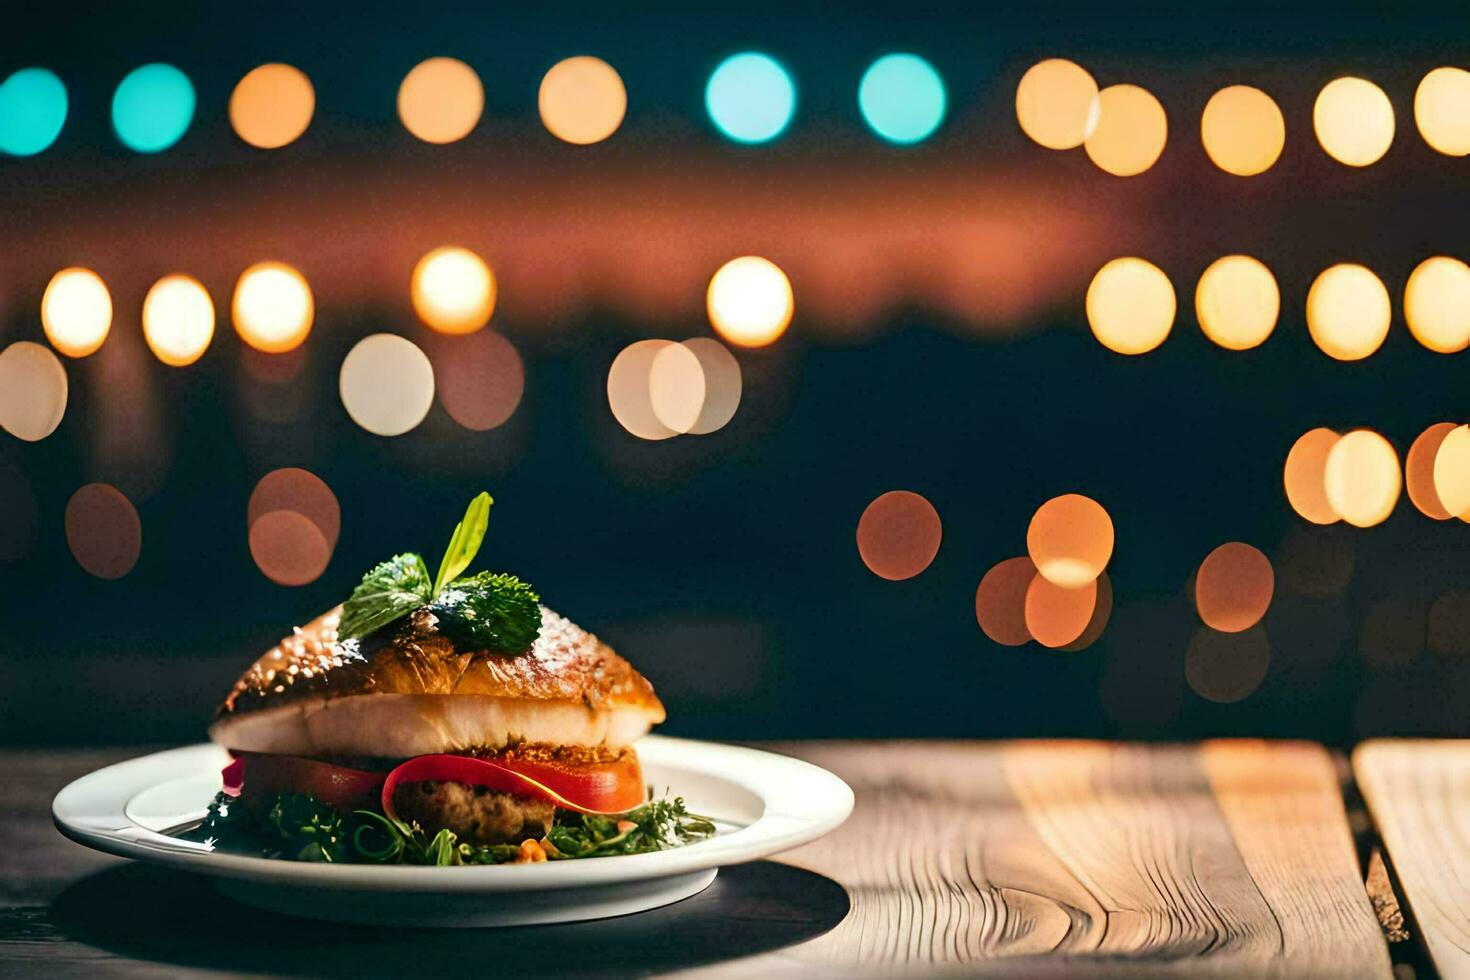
(440, 100)
(1057, 104)
(1242, 130)
(273, 308)
(1056, 616)
(582, 100)
(76, 312)
(33, 391)
(480, 378)
(1227, 667)
(1362, 478)
(301, 492)
(1452, 472)
(1130, 306)
(750, 302)
(1130, 133)
(898, 535)
(1233, 587)
(1070, 539)
(272, 106)
(1102, 610)
(453, 290)
(1419, 471)
(103, 531)
(178, 320)
(288, 548)
(1306, 466)
(1000, 601)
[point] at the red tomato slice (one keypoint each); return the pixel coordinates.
(603, 788)
(265, 775)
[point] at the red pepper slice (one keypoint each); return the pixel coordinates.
(602, 788)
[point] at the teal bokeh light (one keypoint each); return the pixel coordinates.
(32, 111)
(902, 98)
(750, 97)
(152, 108)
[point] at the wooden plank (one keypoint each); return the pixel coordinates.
(1418, 792)
(1056, 858)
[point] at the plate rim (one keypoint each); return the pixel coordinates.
(801, 802)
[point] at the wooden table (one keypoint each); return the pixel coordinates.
(1015, 859)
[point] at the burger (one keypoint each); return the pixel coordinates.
(446, 720)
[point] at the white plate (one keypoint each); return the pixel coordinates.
(763, 803)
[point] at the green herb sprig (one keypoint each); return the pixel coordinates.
(486, 611)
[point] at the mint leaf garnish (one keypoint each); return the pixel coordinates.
(390, 591)
(489, 611)
(465, 541)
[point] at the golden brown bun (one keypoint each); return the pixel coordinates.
(565, 664)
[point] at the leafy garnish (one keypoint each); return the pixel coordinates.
(390, 591)
(465, 541)
(489, 611)
(655, 826)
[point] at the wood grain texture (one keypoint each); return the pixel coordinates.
(1419, 794)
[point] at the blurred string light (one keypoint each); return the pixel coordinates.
(76, 312)
(441, 100)
(288, 548)
(750, 301)
(1437, 304)
(453, 290)
(1102, 611)
(273, 307)
(33, 108)
(386, 384)
(153, 107)
(658, 389)
(1000, 601)
(1242, 130)
(1354, 121)
(1070, 540)
(1057, 104)
(1348, 311)
(178, 320)
(1305, 474)
(1130, 306)
(628, 391)
(272, 106)
(1362, 478)
(480, 379)
(1057, 616)
(1237, 302)
(750, 97)
(1233, 587)
(1419, 471)
(33, 391)
(676, 387)
(898, 535)
(1130, 133)
(103, 531)
(1227, 667)
(1442, 110)
(300, 491)
(902, 98)
(582, 100)
(722, 384)
(1452, 472)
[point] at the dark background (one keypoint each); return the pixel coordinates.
(939, 346)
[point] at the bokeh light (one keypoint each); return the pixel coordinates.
(582, 100)
(1057, 104)
(1242, 130)
(1130, 306)
(288, 548)
(1056, 616)
(676, 387)
(453, 290)
(898, 535)
(1442, 110)
(902, 98)
(1070, 539)
(301, 492)
(750, 97)
(1452, 471)
(272, 106)
(1000, 601)
(153, 107)
(750, 301)
(628, 391)
(1362, 478)
(33, 391)
(1227, 667)
(1305, 476)
(33, 108)
(386, 384)
(178, 320)
(1237, 302)
(1354, 121)
(440, 100)
(273, 308)
(103, 531)
(76, 312)
(480, 379)
(1419, 471)
(1131, 131)
(1348, 312)
(1233, 587)
(1102, 611)
(1437, 304)
(722, 384)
